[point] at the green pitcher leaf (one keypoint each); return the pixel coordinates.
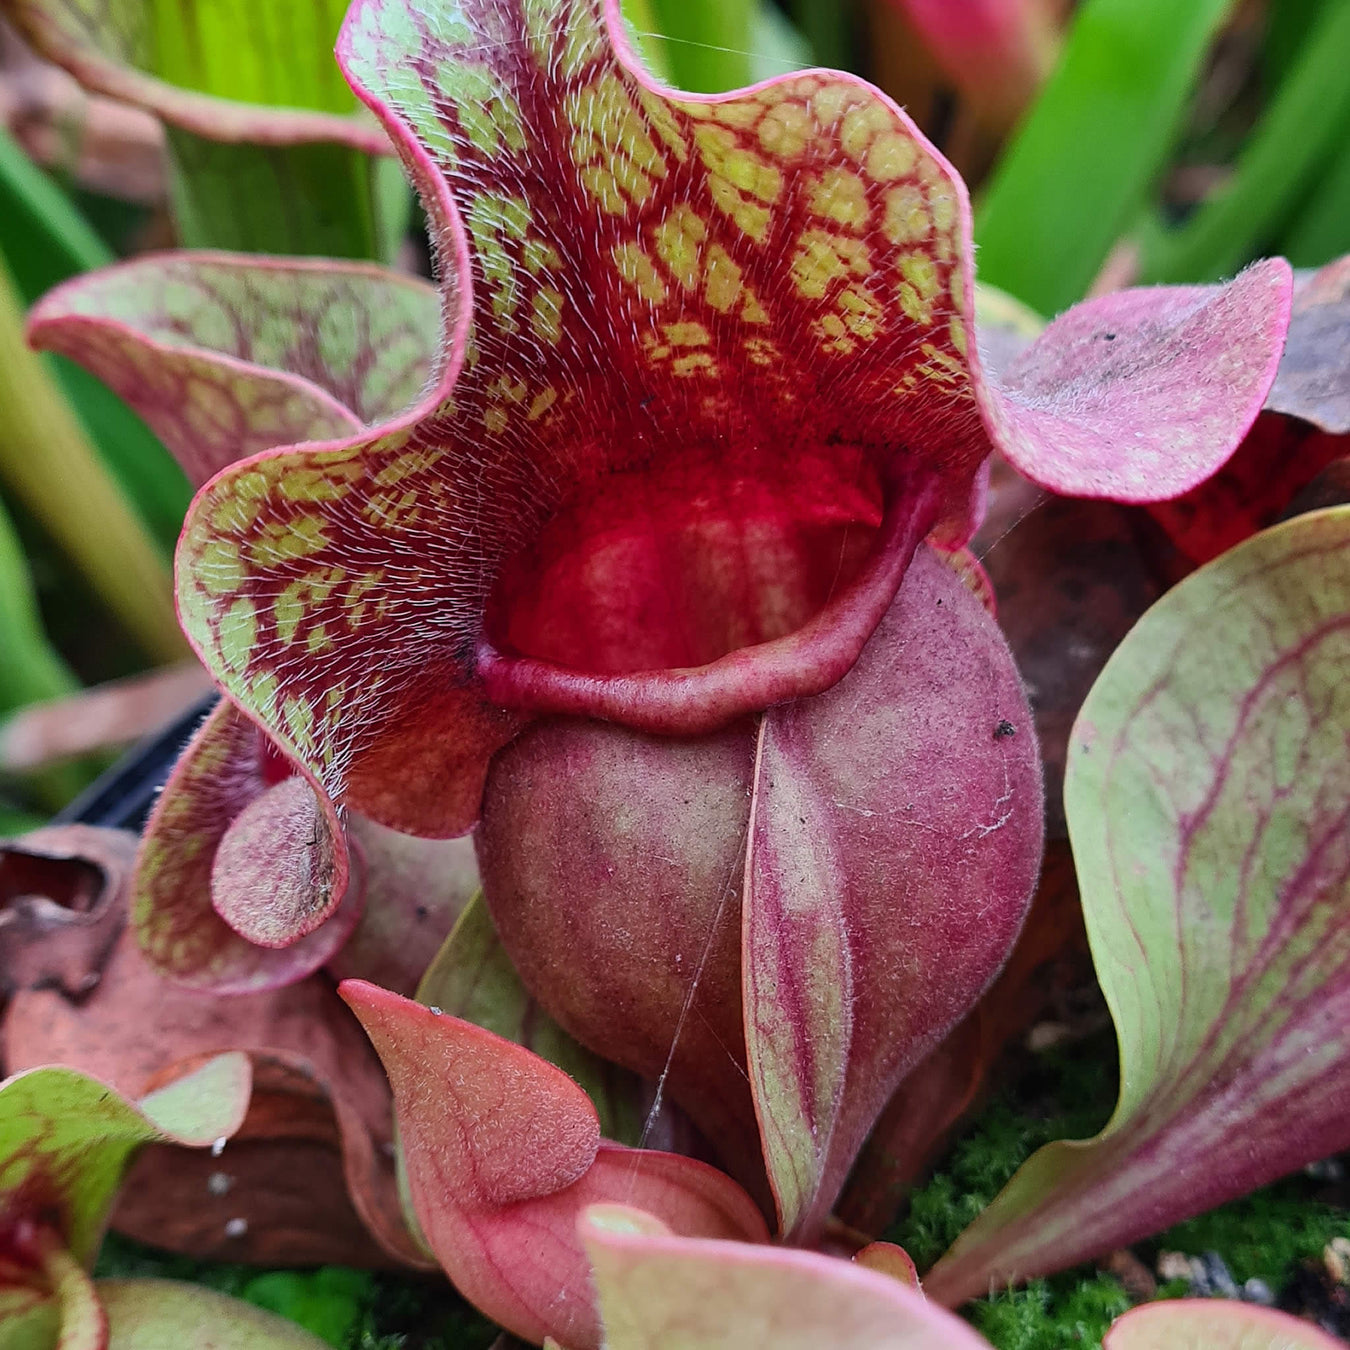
(167, 1315)
(66, 1139)
(84, 1323)
(1208, 801)
(200, 1108)
(30, 1319)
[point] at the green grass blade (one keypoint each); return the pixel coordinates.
(48, 463)
(776, 44)
(647, 38)
(1287, 24)
(707, 42)
(277, 52)
(44, 239)
(320, 199)
(1321, 231)
(1081, 166)
(1302, 128)
(827, 27)
(31, 669)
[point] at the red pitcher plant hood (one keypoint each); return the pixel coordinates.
(708, 375)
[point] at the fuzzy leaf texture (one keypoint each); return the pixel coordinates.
(1206, 794)
(472, 978)
(225, 356)
(780, 922)
(504, 1154)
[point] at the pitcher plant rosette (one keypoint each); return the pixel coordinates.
(642, 553)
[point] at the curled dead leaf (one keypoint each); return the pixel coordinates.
(60, 906)
(322, 1108)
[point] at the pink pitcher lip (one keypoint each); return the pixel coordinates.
(694, 700)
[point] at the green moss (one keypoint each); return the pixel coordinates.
(1265, 1235)
(1069, 1095)
(1062, 1095)
(330, 1302)
(1051, 1314)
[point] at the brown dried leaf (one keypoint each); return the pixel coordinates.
(323, 1104)
(1314, 377)
(60, 906)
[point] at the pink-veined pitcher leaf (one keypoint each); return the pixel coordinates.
(710, 379)
(226, 355)
(894, 845)
(1207, 796)
(127, 51)
(1213, 1324)
(658, 1290)
(66, 1140)
(503, 1153)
